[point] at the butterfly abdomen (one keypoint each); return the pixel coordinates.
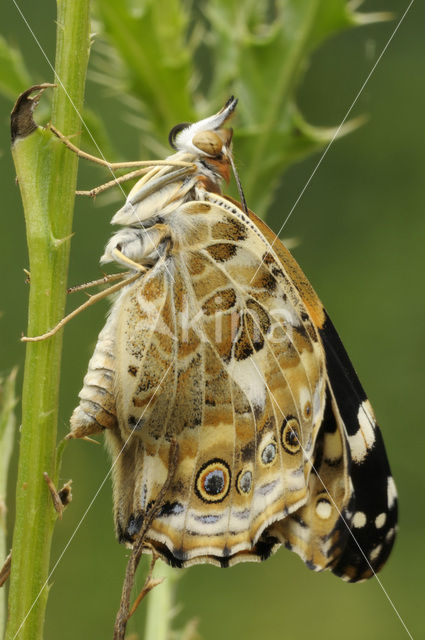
(97, 408)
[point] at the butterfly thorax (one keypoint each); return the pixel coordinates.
(154, 223)
(151, 215)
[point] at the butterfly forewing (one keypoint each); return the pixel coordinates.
(372, 512)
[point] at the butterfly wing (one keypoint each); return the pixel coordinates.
(350, 520)
(213, 352)
(224, 347)
(372, 512)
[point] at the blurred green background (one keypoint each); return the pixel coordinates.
(361, 232)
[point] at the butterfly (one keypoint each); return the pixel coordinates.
(220, 347)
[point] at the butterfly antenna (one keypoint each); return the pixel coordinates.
(238, 183)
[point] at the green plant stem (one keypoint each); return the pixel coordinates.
(7, 437)
(160, 603)
(47, 177)
(280, 95)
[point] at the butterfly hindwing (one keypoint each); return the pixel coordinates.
(240, 379)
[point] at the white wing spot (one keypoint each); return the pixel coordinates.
(367, 422)
(359, 520)
(333, 446)
(380, 520)
(364, 439)
(247, 376)
(375, 552)
(318, 400)
(323, 509)
(390, 535)
(357, 446)
(391, 492)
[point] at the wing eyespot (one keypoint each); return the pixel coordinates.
(213, 481)
(290, 435)
(244, 482)
(307, 410)
(268, 453)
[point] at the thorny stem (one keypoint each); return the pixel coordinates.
(46, 173)
(7, 438)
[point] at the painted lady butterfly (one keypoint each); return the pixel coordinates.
(221, 345)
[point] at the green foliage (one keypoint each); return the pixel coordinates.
(14, 77)
(171, 61)
(270, 56)
(150, 39)
(181, 66)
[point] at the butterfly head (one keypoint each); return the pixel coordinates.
(207, 139)
(205, 147)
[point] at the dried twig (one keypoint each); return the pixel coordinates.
(60, 498)
(5, 569)
(124, 612)
(150, 583)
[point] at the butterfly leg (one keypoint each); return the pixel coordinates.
(108, 277)
(5, 569)
(88, 156)
(113, 165)
(85, 305)
(92, 193)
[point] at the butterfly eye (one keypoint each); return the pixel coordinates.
(174, 132)
(290, 435)
(209, 142)
(213, 481)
